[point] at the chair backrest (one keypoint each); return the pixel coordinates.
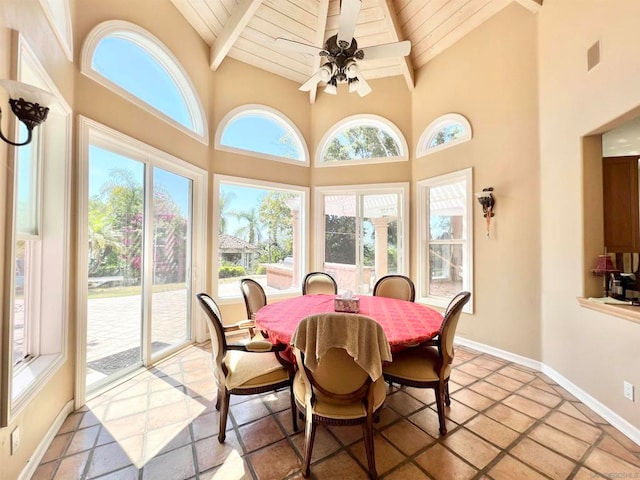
(254, 296)
(216, 332)
(319, 282)
(395, 286)
(449, 325)
(335, 370)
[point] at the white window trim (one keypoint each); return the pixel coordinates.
(304, 229)
(64, 33)
(277, 117)
(422, 211)
(438, 124)
(20, 386)
(364, 189)
(363, 119)
(160, 53)
(92, 132)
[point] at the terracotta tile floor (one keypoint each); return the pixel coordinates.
(506, 422)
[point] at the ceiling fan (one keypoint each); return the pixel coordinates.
(341, 53)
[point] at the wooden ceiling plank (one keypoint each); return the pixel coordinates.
(265, 43)
(197, 14)
(394, 28)
(446, 35)
(257, 62)
(232, 29)
(284, 25)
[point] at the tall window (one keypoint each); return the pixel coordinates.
(136, 65)
(264, 132)
(362, 233)
(445, 254)
(362, 139)
(39, 248)
(444, 132)
(262, 234)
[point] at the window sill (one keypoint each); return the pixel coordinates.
(29, 379)
(626, 312)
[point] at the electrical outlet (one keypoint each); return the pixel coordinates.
(628, 390)
(15, 440)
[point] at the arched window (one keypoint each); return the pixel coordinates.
(362, 139)
(135, 64)
(264, 132)
(59, 16)
(444, 132)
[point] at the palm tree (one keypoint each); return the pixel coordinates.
(251, 231)
(223, 205)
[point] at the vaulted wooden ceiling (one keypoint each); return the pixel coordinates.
(246, 30)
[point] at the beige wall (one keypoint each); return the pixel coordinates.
(490, 78)
(594, 351)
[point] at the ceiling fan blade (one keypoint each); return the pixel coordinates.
(362, 87)
(294, 46)
(312, 82)
(396, 49)
(349, 11)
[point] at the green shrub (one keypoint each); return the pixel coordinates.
(261, 270)
(228, 271)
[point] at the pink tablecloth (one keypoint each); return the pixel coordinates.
(402, 322)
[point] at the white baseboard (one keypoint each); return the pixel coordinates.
(41, 450)
(605, 412)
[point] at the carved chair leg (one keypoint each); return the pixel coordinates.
(368, 446)
(447, 398)
(440, 393)
(223, 416)
(309, 436)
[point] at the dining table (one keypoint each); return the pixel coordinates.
(404, 323)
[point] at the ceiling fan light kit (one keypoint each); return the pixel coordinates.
(341, 53)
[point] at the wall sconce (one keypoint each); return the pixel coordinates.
(488, 202)
(31, 112)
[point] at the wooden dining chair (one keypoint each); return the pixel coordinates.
(395, 286)
(429, 365)
(339, 379)
(254, 298)
(319, 282)
(243, 369)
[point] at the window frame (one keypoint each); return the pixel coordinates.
(303, 241)
(423, 212)
(364, 189)
(63, 31)
(436, 126)
(48, 330)
(268, 112)
(159, 52)
(364, 119)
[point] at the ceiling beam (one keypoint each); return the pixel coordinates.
(321, 30)
(532, 5)
(393, 24)
(236, 22)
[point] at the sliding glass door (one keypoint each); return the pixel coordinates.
(138, 263)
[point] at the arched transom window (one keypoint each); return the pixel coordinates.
(138, 66)
(362, 139)
(444, 132)
(262, 131)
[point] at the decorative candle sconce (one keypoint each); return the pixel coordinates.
(485, 198)
(31, 112)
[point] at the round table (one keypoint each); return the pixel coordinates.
(404, 323)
